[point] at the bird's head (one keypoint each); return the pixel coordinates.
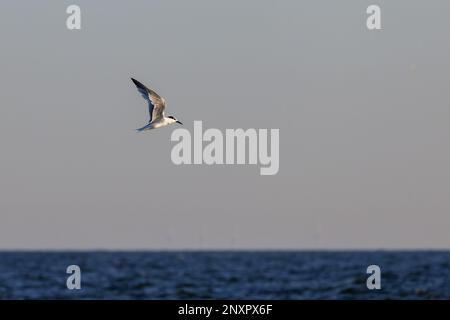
(174, 119)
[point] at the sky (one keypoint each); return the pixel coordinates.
(363, 116)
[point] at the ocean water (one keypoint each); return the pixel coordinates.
(225, 275)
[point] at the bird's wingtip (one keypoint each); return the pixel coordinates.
(137, 83)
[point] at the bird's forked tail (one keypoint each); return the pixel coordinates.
(146, 127)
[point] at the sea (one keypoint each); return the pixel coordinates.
(291, 275)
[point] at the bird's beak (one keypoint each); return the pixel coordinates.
(179, 122)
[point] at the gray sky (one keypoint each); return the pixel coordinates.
(364, 123)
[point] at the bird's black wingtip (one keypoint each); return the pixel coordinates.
(137, 83)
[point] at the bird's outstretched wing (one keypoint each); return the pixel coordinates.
(156, 104)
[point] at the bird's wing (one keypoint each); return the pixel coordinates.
(156, 104)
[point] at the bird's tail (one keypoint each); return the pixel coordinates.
(146, 127)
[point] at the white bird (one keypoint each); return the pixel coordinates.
(156, 106)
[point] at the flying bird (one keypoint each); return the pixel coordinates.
(156, 106)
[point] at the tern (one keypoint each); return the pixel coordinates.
(156, 106)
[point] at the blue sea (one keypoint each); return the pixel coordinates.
(225, 275)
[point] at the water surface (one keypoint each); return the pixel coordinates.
(225, 275)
